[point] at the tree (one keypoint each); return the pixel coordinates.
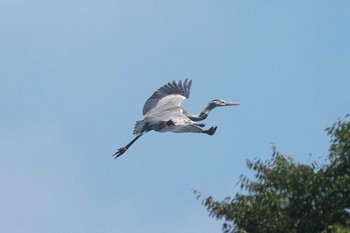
(290, 197)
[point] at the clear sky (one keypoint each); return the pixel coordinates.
(74, 76)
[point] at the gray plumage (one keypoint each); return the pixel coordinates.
(176, 91)
(163, 113)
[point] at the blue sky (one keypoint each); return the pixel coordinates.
(75, 75)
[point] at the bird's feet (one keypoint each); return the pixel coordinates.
(120, 151)
(211, 130)
(201, 125)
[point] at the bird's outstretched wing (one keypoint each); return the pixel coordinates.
(186, 127)
(171, 94)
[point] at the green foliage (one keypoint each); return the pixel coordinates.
(338, 228)
(290, 197)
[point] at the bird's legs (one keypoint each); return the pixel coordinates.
(210, 131)
(122, 150)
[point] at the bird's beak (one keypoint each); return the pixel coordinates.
(231, 104)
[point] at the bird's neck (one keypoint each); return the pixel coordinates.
(203, 115)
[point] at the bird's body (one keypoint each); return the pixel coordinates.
(163, 113)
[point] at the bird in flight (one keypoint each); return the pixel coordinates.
(163, 113)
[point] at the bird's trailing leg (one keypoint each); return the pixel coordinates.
(201, 125)
(122, 150)
(210, 131)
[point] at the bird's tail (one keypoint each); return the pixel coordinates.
(138, 127)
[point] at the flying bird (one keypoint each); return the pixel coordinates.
(163, 113)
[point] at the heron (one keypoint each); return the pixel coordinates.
(163, 113)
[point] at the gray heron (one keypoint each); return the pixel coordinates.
(163, 113)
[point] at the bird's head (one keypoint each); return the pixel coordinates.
(219, 103)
